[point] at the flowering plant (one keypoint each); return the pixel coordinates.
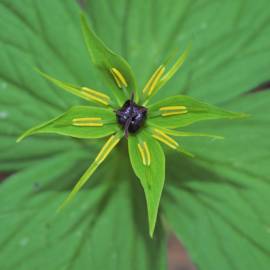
(130, 113)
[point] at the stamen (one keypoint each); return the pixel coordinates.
(151, 84)
(145, 154)
(141, 150)
(174, 113)
(107, 148)
(173, 110)
(87, 122)
(94, 92)
(87, 119)
(148, 156)
(96, 96)
(119, 78)
(160, 134)
(116, 80)
(158, 137)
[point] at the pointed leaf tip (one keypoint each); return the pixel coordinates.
(163, 77)
(114, 69)
(151, 174)
(195, 111)
(102, 155)
(19, 139)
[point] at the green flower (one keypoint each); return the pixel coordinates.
(130, 113)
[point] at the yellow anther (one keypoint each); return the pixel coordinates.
(145, 154)
(160, 138)
(155, 78)
(96, 96)
(174, 113)
(160, 134)
(142, 154)
(119, 78)
(87, 122)
(172, 108)
(87, 119)
(96, 93)
(117, 81)
(148, 156)
(107, 148)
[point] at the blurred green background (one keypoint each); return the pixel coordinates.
(217, 205)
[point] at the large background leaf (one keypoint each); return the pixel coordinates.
(95, 229)
(96, 226)
(218, 204)
(221, 223)
(230, 45)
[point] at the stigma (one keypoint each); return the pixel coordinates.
(131, 116)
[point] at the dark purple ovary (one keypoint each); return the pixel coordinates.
(131, 116)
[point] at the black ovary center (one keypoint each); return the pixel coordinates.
(131, 116)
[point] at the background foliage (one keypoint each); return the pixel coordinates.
(217, 204)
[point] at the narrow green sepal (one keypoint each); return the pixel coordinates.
(176, 66)
(106, 61)
(83, 122)
(161, 77)
(102, 155)
(180, 133)
(85, 93)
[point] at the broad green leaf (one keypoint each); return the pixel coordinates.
(95, 225)
(83, 122)
(196, 111)
(226, 59)
(31, 39)
(106, 60)
(221, 199)
(151, 175)
(30, 197)
(30, 152)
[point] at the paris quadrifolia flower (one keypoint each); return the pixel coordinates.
(128, 113)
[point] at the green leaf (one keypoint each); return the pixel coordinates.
(31, 40)
(196, 111)
(106, 60)
(221, 199)
(72, 123)
(225, 60)
(151, 176)
(30, 198)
